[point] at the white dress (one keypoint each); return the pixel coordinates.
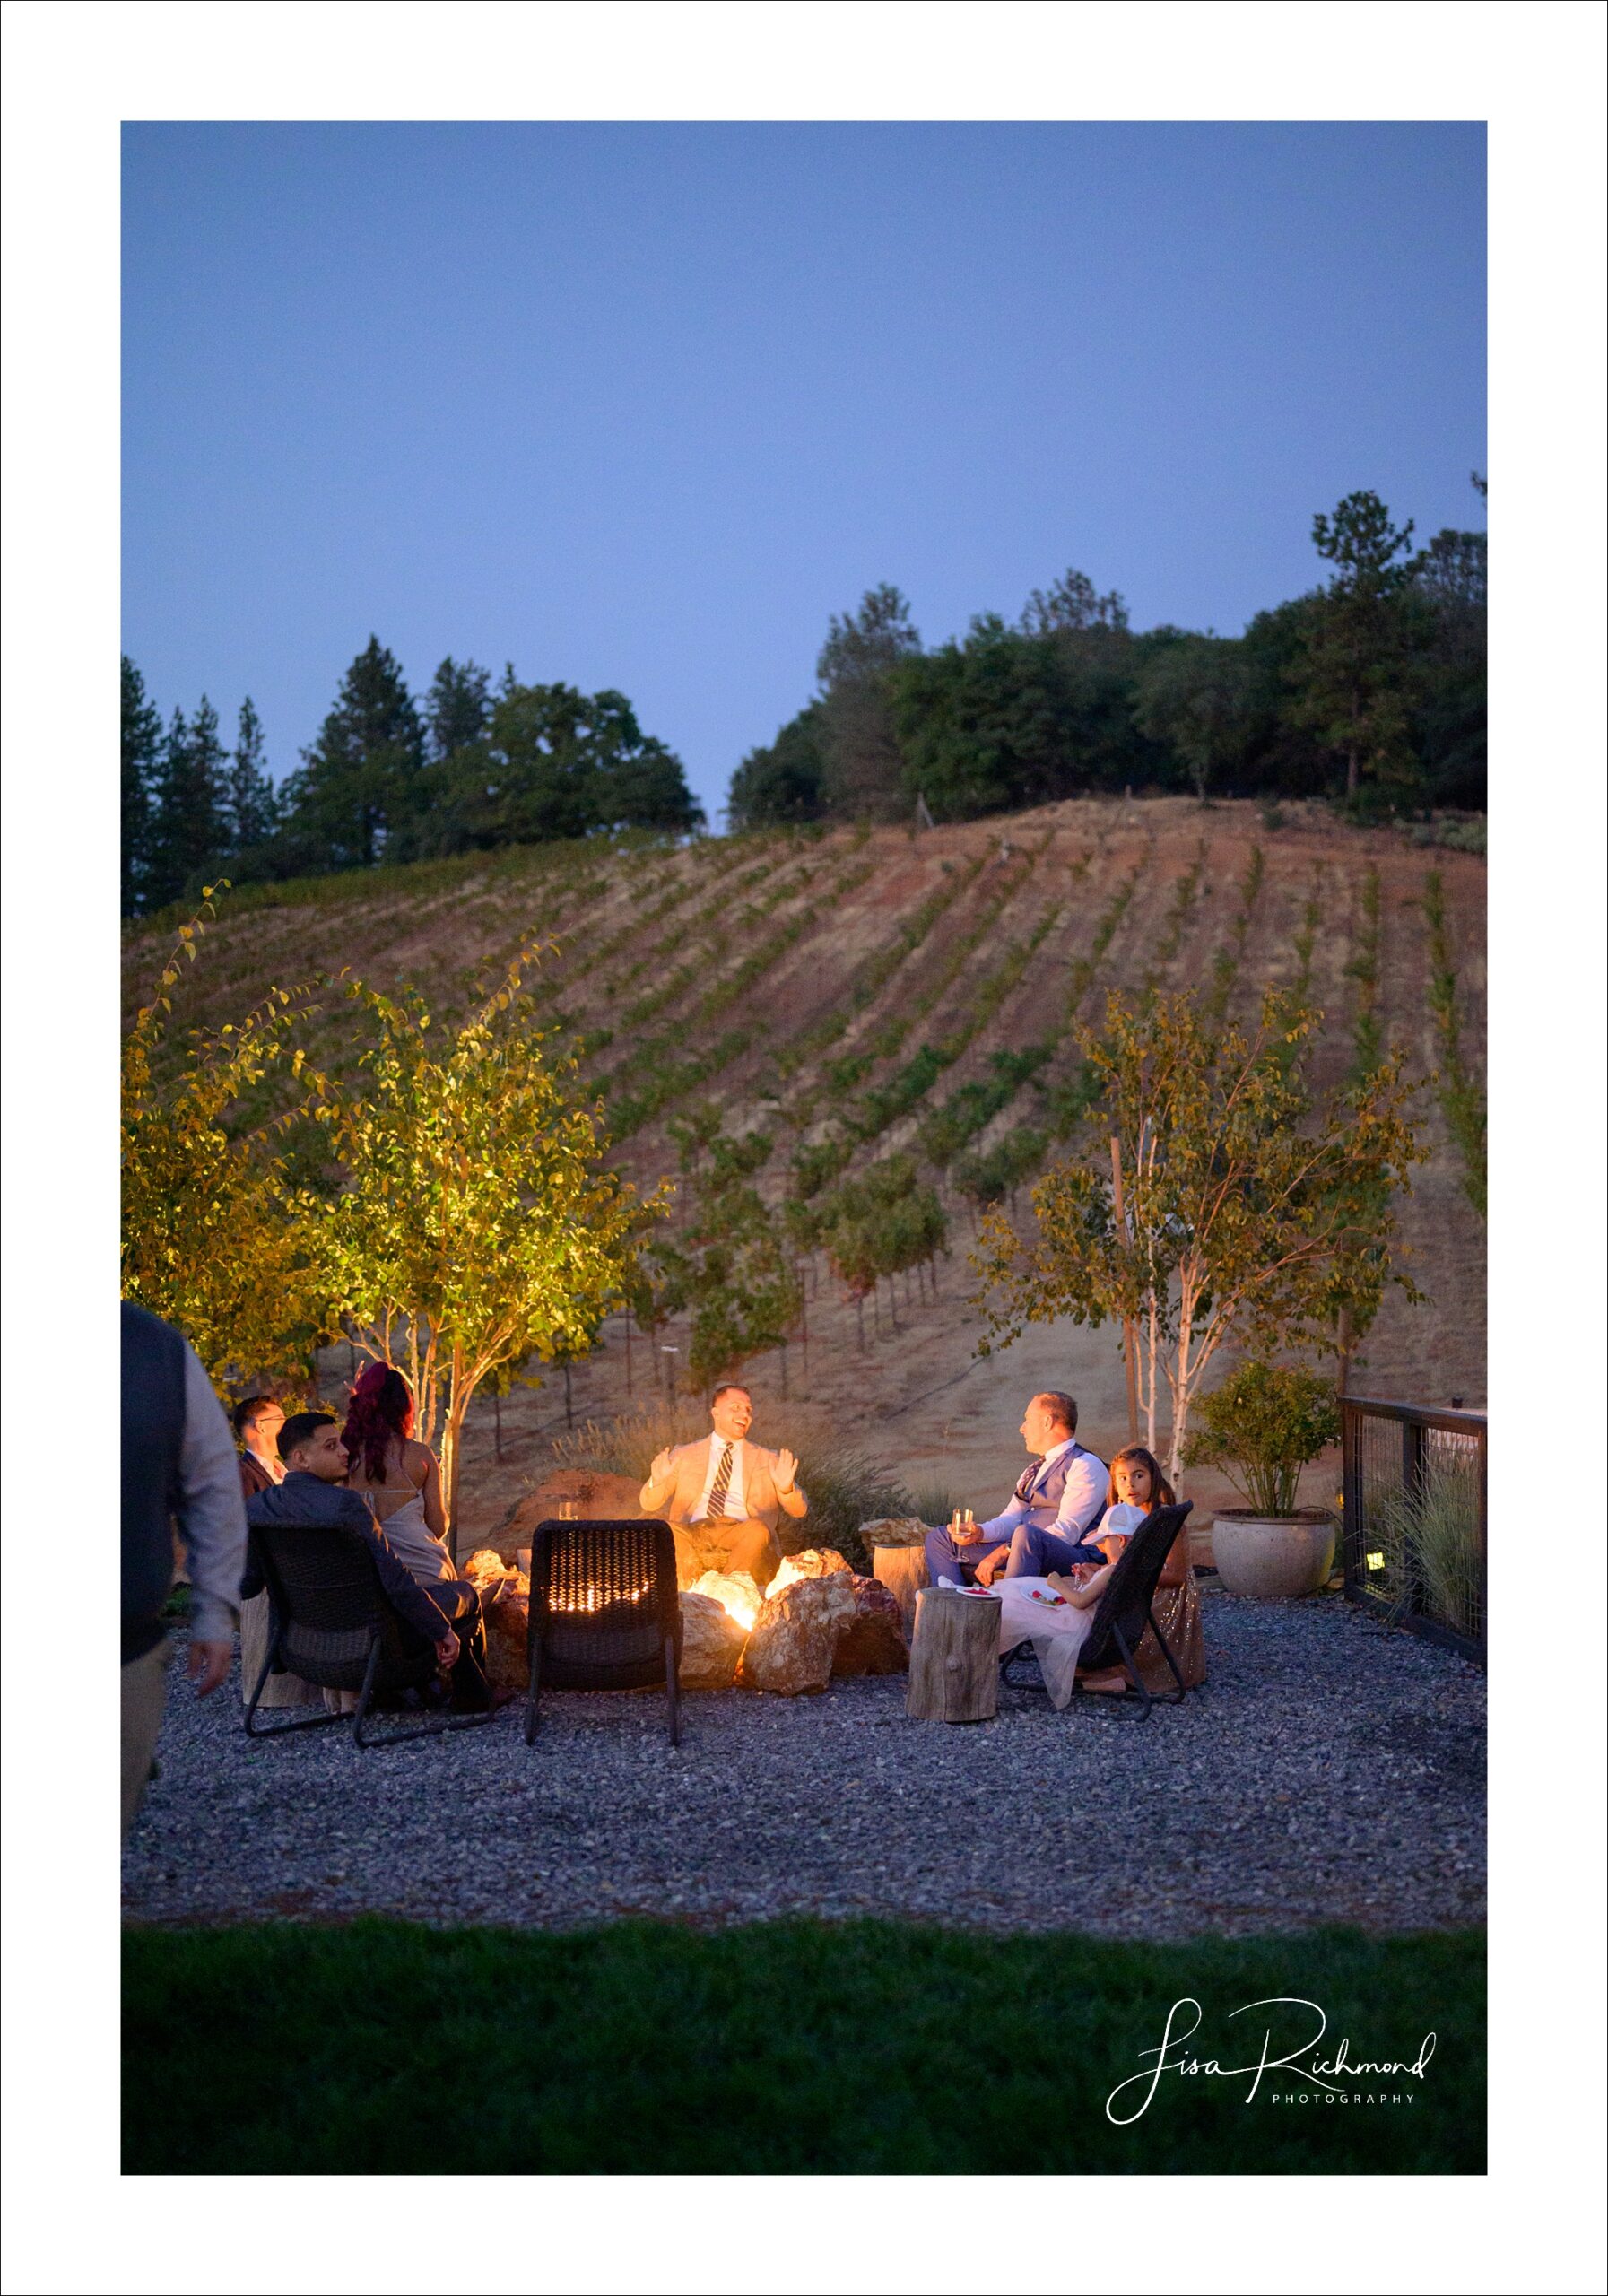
(1031, 1610)
(415, 1543)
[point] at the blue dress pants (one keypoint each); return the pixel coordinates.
(1034, 1555)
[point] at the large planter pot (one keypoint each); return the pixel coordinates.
(1273, 1554)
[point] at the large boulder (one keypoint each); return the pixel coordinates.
(811, 1563)
(892, 1530)
(712, 1643)
(870, 1640)
(595, 1496)
(795, 1639)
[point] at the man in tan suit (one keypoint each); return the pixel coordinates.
(722, 1496)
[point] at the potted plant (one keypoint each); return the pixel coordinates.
(1261, 1427)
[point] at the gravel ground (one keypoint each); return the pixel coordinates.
(1333, 1769)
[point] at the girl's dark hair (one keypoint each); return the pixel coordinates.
(1162, 1492)
(381, 1414)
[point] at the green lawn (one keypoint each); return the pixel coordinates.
(797, 2047)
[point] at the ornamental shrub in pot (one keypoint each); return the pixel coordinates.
(1260, 1427)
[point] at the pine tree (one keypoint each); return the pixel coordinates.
(142, 752)
(862, 775)
(357, 785)
(188, 827)
(1350, 680)
(458, 708)
(253, 807)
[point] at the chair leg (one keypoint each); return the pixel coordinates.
(1172, 1664)
(256, 1729)
(534, 1693)
(673, 1692)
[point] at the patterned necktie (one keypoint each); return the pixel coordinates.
(1024, 1489)
(720, 1486)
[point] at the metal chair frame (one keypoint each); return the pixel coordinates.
(355, 1638)
(1128, 1602)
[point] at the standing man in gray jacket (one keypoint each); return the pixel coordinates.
(178, 1464)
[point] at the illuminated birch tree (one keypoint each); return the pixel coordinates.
(1248, 1208)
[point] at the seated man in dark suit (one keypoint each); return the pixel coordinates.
(312, 1493)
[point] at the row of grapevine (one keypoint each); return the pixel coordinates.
(1226, 960)
(1462, 1095)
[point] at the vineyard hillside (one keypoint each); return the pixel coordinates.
(890, 992)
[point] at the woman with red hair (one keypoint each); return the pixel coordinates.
(398, 1480)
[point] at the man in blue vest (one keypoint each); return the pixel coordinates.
(1052, 1510)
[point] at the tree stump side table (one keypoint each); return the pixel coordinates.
(902, 1569)
(954, 1658)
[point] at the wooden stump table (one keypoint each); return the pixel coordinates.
(902, 1569)
(954, 1658)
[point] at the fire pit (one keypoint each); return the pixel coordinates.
(604, 1613)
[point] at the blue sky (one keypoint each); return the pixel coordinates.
(641, 406)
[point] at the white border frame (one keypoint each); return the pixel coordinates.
(1534, 69)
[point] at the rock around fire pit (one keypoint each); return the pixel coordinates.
(817, 1619)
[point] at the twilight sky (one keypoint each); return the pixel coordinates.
(641, 406)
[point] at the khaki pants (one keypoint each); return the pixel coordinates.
(144, 1687)
(725, 1546)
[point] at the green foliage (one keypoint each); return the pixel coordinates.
(1261, 1427)
(1350, 685)
(1194, 697)
(357, 786)
(551, 763)
(1005, 717)
(251, 803)
(726, 1264)
(944, 1133)
(995, 1174)
(878, 1224)
(141, 733)
(210, 1240)
(1368, 1044)
(1373, 688)
(1462, 1095)
(783, 783)
(1248, 1205)
(479, 1225)
(1431, 1540)
(860, 777)
(187, 833)
(847, 2042)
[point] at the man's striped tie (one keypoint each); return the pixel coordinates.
(720, 1486)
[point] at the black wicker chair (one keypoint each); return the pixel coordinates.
(334, 1624)
(1125, 1609)
(604, 1613)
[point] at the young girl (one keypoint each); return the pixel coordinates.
(1137, 1487)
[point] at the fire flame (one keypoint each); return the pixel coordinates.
(736, 1591)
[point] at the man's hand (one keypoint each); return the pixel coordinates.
(786, 1474)
(992, 1566)
(659, 1472)
(447, 1651)
(208, 1666)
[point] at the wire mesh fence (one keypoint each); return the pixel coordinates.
(1415, 1507)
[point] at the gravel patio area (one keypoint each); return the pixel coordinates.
(1333, 1769)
